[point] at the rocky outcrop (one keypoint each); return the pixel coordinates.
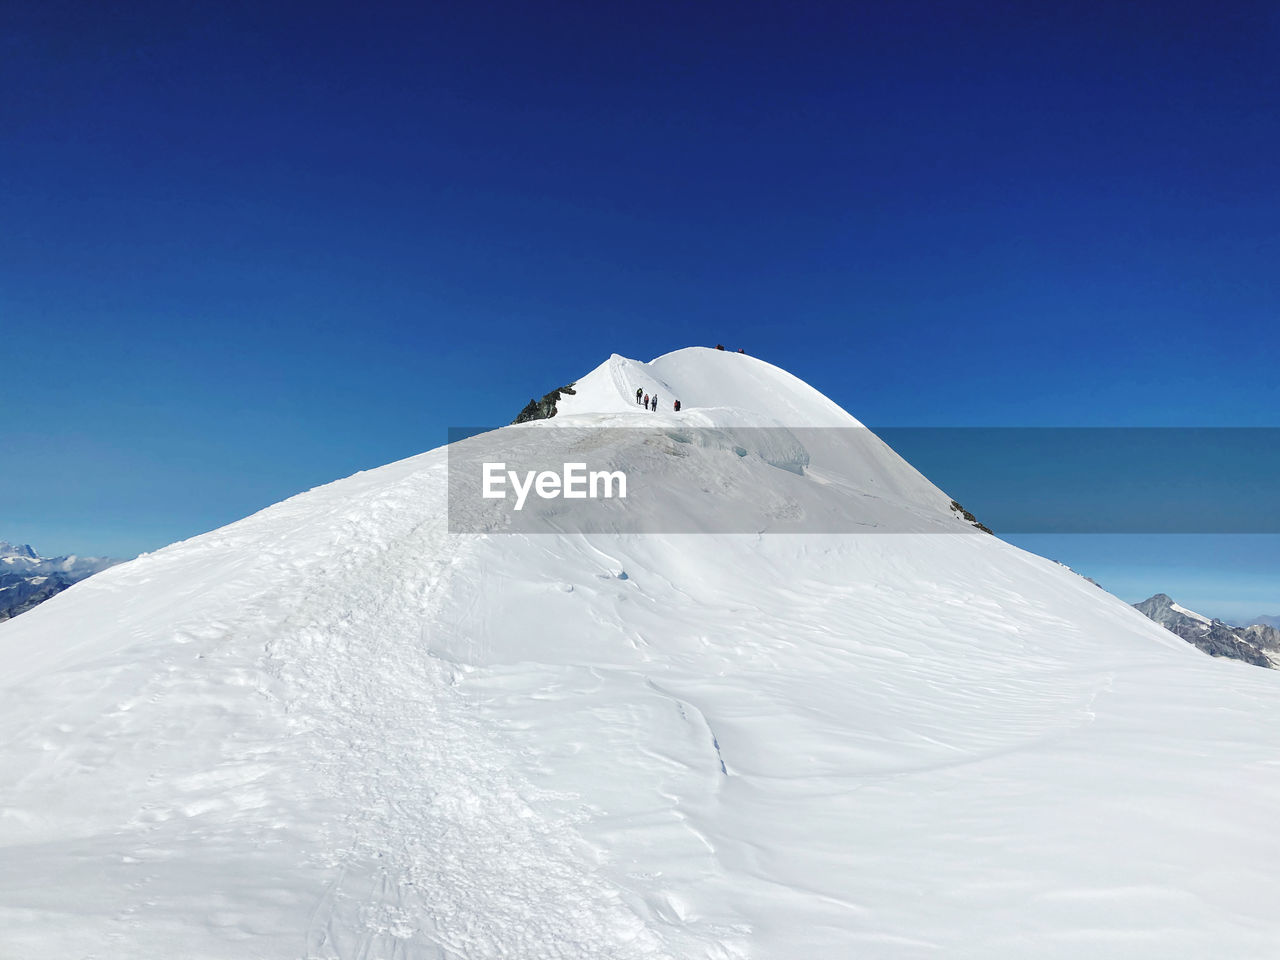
(543, 409)
(969, 517)
(1262, 635)
(1258, 645)
(20, 596)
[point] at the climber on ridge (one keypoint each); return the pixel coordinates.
(639, 391)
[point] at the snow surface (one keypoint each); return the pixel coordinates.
(336, 729)
(1178, 608)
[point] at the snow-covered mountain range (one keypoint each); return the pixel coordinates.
(342, 728)
(1257, 643)
(27, 579)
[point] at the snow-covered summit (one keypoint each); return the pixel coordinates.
(337, 729)
(741, 419)
(715, 388)
(16, 551)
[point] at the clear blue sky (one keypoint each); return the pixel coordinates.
(250, 248)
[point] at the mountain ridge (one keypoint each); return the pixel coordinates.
(340, 728)
(1257, 644)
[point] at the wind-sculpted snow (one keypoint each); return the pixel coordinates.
(337, 729)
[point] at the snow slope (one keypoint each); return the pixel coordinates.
(336, 729)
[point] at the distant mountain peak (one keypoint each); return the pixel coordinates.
(24, 551)
(1258, 645)
(28, 579)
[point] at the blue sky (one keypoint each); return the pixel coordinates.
(250, 249)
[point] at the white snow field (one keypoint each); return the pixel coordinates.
(335, 729)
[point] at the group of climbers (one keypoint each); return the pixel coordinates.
(651, 403)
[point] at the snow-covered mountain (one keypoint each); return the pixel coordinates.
(1257, 644)
(338, 729)
(14, 551)
(27, 579)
